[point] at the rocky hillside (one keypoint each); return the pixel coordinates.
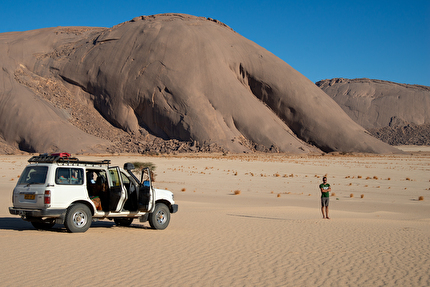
(163, 83)
(395, 113)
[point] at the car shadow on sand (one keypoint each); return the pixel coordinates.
(17, 224)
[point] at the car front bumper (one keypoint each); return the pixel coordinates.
(174, 208)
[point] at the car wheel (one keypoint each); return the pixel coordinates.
(160, 218)
(78, 218)
(43, 225)
(123, 221)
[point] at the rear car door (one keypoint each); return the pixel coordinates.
(30, 189)
(117, 191)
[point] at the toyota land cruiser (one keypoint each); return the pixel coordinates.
(58, 188)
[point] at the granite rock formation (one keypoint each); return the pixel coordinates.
(395, 113)
(173, 80)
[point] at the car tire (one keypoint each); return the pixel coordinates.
(123, 221)
(160, 218)
(43, 225)
(78, 218)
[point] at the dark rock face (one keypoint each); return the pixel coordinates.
(175, 81)
(395, 113)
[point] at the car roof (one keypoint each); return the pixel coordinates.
(65, 160)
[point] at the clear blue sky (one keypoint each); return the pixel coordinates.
(386, 40)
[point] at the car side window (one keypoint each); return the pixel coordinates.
(69, 176)
(125, 178)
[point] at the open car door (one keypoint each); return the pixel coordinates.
(145, 196)
(117, 191)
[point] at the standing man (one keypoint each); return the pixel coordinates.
(325, 196)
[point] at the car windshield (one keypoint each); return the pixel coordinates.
(33, 175)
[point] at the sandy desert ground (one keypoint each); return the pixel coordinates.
(271, 234)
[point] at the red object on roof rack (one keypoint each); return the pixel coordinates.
(61, 154)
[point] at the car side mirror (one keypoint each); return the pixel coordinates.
(128, 166)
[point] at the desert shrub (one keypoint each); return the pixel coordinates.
(183, 189)
(421, 198)
(237, 192)
(362, 196)
(141, 165)
(279, 195)
(138, 166)
(351, 195)
(333, 194)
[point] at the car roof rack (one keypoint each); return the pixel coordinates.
(63, 158)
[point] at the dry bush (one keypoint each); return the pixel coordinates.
(183, 189)
(347, 176)
(333, 194)
(408, 178)
(368, 177)
(309, 194)
(359, 176)
(291, 175)
(389, 178)
(351, 195)
(362, 196)
(375, 177)
(279, 195)
(272, 192)
(350, 183)
(421, 198)
(237, 192)
(277, 175)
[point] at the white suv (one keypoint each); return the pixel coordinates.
(61, 189)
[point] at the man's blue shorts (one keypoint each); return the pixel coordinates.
(324, 201)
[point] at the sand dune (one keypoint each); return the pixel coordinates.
(271, 234)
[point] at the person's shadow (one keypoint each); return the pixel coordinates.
(18, 224)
